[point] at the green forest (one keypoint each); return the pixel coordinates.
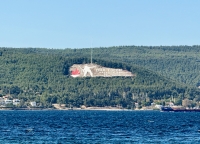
(42, 75)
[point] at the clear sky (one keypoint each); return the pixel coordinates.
(98, 23)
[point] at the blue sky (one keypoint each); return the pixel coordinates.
(98, 23)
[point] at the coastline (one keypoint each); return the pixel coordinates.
(65, 108)
(75, 108)
(104, 108)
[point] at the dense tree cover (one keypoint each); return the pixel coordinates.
(180, 63)
(43, 75)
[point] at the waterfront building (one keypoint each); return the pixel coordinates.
(33, 104)
(16, 101)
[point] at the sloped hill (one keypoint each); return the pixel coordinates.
(180, 63)
(43, 75)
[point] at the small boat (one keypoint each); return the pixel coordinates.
(166, 109)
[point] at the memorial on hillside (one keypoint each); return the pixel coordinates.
(94, 70)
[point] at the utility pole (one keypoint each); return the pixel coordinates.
(91, 56)
(91, 53)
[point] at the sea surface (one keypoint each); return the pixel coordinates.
(80, 126)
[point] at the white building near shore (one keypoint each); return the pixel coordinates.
(7, 101)
(16, 101)
(33, 104)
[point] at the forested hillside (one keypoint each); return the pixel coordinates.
(43, 75)
(181, 63)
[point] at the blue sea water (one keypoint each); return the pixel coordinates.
(40, 127)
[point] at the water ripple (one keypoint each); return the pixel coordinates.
(98, 127)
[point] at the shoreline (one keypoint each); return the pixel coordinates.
(70, 109)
